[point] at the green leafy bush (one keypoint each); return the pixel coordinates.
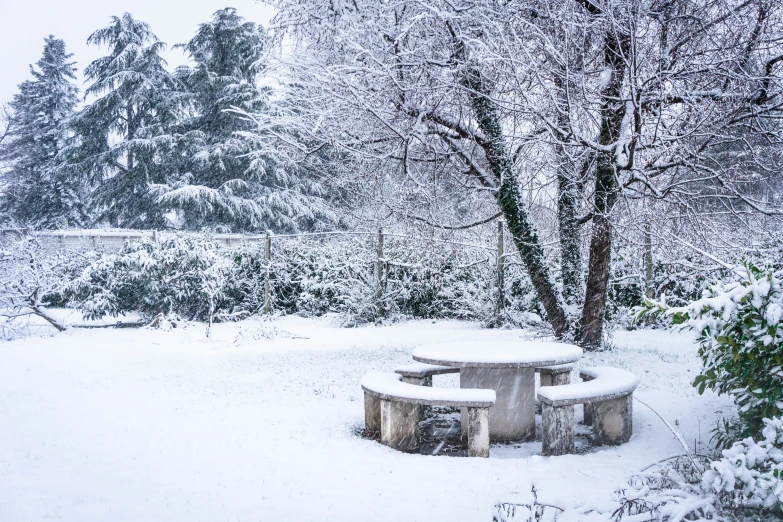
(751, 472)
(740, 335)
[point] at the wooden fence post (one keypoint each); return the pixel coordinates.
(268, 257)
(501, 304)
(649, 290)
(379, 268)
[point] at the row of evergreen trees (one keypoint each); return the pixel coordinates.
(150, 148)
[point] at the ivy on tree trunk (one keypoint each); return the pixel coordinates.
(511, 202)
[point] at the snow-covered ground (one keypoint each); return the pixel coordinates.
(259, 423)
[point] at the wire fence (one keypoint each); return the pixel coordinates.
(373, 250)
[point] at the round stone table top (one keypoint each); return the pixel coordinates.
(497, 354)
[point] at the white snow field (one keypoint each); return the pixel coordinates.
(116, 425)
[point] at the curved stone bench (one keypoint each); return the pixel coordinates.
(392, 408)
(607, 391)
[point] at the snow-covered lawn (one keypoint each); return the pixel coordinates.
(112, 425)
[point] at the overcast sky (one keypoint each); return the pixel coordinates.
(25, 24)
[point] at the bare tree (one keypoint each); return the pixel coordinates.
(623, 100)
(27, 275)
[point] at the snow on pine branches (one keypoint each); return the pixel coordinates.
(36, 191)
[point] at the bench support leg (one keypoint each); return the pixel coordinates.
(372, 414)
(588, 414)
(588, 408)
(558, 429)
(425, 411)
(418, 381)
(400, 425)
(478, 432)
(555, 379)
(613, 421)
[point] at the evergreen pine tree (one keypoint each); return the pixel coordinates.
(37, 193)
(125, 135)
(228, 186)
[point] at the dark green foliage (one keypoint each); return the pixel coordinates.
(185, 276)
(139, 102)
(218, 189)
(315, 278)
(740, 327)
(726, 432)
(227, 182)
(37, 192)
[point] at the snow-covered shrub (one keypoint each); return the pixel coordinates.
(625, 290)
(668, 491)
(307, 276)
(182, 276)
(429, 281)
(740, 335)
(29, 278)
(745, 485)
(244, 290)
(677, 489)
(751, 473)
(67, 266)
(417, 280)
(682, 279)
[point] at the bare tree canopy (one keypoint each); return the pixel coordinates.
(464, 109)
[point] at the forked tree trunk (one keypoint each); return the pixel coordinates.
(607, 190)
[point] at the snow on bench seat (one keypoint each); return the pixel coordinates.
(421, 370)
(606, 384)
(393, 408)
(388, 386)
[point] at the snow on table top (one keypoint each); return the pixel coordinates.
(607, 383)
(498, 354)
(417, 368)
(389, 386)
(557, 368)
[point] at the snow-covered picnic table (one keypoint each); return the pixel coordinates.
(506, 367)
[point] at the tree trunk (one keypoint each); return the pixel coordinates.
(130, 134)
(35, 307)
(511, 201)
(570, 239)
(607, 190)
(592, 322)
(568, 200)
(649, 290)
